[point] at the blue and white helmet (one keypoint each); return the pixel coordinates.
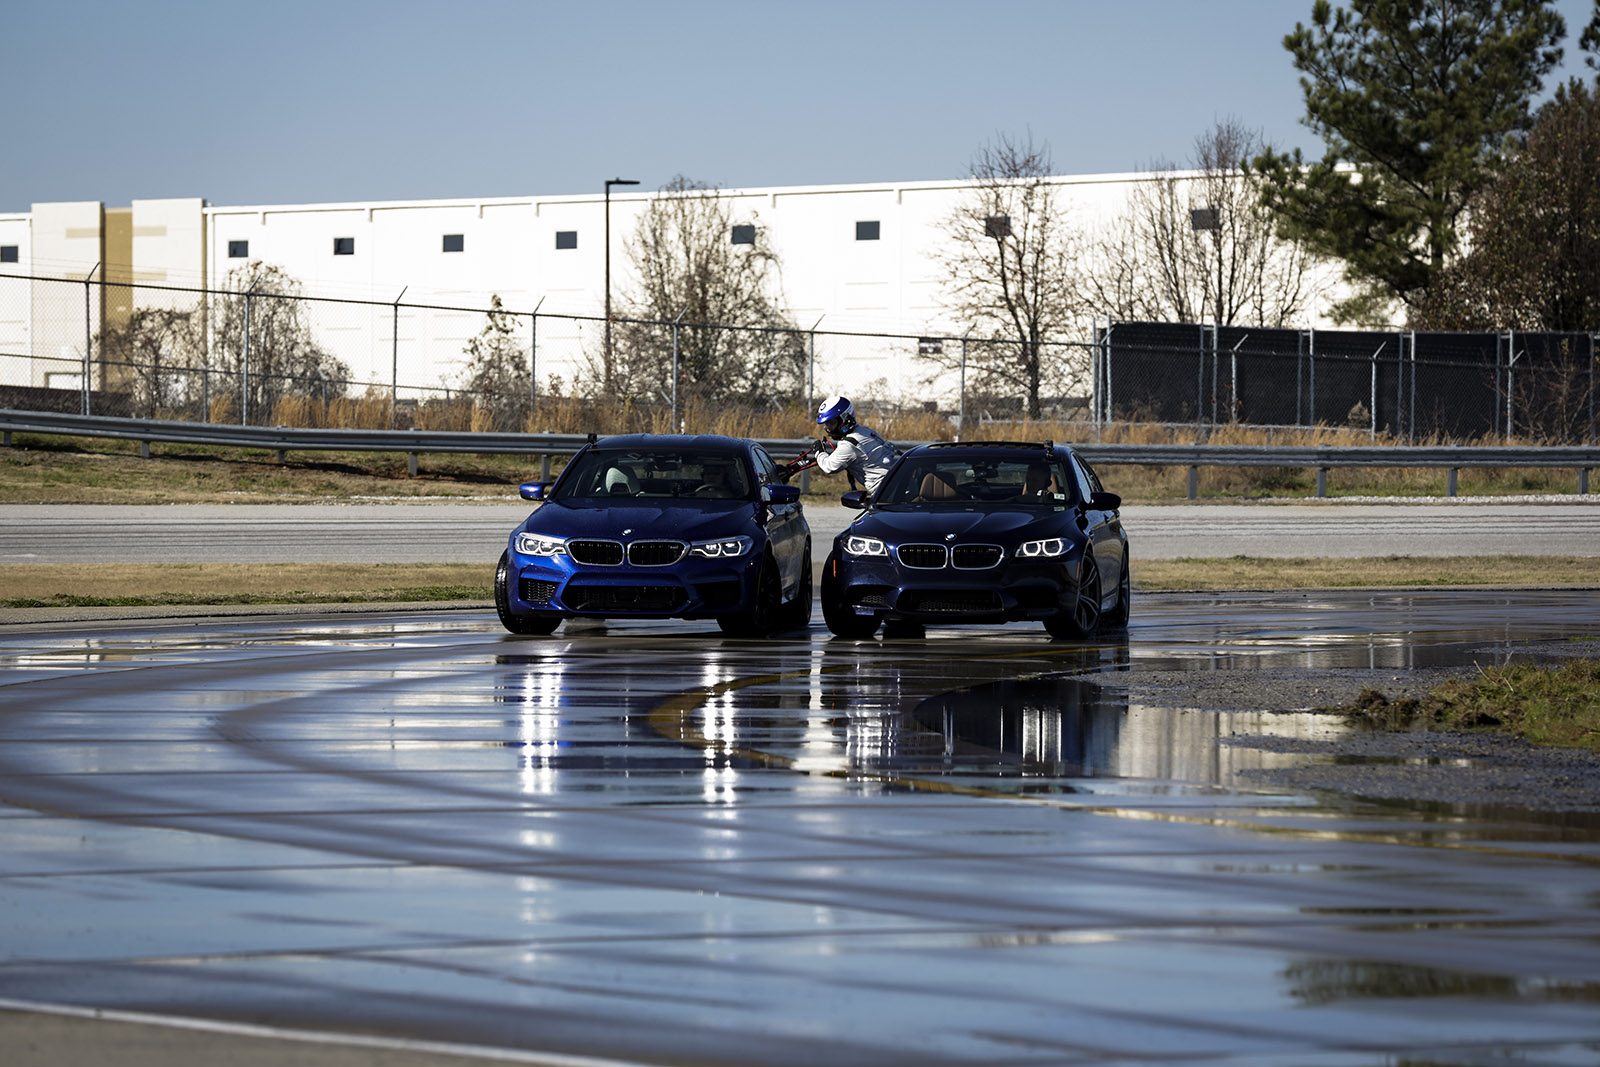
(838, 415)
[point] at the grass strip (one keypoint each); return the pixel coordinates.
(1255, 572)
(155, 584)
(1542, 704)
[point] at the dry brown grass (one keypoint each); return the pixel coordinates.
(1241, 572)
(55, 585)
(370, 411)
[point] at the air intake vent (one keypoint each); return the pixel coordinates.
(624, 599)
(537, 591)
(951, 601)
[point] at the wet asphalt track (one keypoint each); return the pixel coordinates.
(652, 844)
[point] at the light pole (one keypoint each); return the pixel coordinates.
(609, 183)
(1209, 220)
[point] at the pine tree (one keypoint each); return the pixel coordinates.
(1414, 100)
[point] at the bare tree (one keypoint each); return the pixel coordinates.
(1198, 245)
(160, 349)
(720, 282)
(498, 373)
(1010, 265)
(1115, 277)
(283, 358)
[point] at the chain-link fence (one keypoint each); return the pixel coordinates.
(265, 356)
(272, 356)
(1402, 385)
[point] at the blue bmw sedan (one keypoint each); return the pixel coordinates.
(646, 526)
(981, 532)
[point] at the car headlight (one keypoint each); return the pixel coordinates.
(724, 549)
(530, 544)
(1049, 547)
(865, 546)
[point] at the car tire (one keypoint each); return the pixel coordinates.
(841, 620)
(517, 622)
(766, 610)
(1082, 619)
(1117, 617)
(797, 613)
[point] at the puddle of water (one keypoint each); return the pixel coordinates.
(1046, 730)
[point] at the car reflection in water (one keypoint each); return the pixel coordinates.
(1045, 729)
(857, 714)
(1052, 734)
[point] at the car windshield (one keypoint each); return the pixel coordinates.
(1034, 480)
(603, 473)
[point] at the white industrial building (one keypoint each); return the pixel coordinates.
(855, 259)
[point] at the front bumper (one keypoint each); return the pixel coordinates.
(691, 588)
(1014, 590)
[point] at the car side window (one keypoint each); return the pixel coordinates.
(1083, 477)
(766, 468)
(1094, 479)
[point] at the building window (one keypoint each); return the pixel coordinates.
(744, 235)
(238, 249)
(866, 231)
(997, 226)
(566, 238)
(455, 242)
(8, 253)
(344, 246)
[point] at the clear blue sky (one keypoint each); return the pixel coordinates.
(340, 100)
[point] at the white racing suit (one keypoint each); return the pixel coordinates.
(866, 456)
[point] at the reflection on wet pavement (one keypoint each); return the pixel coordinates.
(654, 844)
(1042, 731)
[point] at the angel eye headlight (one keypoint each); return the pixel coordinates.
(539, 545)
(724, 549)
(865, 546)
(1049, 547)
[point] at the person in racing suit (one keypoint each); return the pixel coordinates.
(862, 454)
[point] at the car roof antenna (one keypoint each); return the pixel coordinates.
(593, 437)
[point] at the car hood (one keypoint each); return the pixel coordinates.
(684, 521)
(1004, 525)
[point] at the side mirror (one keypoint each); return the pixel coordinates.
(534, 490)
(780, 494)
(1105, 501)
(855, 498)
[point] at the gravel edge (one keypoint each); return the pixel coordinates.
(1467, 772)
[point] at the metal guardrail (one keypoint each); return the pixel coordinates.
(282, 439)
(1450, 458)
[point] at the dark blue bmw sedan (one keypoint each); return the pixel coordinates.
(981, 532)
(646, 526)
